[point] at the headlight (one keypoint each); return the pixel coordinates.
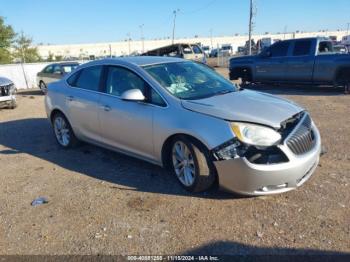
(255, 135)
(12, 89)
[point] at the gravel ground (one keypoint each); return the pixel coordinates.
(101, 202)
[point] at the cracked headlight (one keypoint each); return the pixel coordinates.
(255, 134)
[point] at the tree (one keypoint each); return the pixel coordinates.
(24, 51)
(50, 57)
(7, 36)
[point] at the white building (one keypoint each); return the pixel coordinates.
(128, 47)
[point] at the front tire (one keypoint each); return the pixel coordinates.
(63, 131)
(191, 165)
(13, 104)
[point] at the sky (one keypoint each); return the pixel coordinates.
(91, 21)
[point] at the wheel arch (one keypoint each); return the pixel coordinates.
(240, 71)
(342, 75)
(166, 148)
(55, 111)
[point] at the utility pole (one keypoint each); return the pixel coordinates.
(250, 27)
(347, 30)
(128, 34)
(142, 38)
(174, 13)
(211, 38)
(23, 59)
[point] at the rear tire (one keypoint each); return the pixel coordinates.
(347, 88)
(63, 131)
(191, 165)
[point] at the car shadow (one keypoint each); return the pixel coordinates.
(35, 137)
(234, 251)
(296, 89)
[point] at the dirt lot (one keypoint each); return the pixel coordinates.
(101, 202)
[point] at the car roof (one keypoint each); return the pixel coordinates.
(64, 63)
(139, 60)
(319, 38)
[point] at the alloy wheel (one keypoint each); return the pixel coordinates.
(183, 164)
(62, 131)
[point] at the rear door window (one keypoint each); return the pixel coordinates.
(89, 78)
(279, 49)
(57, 69)
(302, 48)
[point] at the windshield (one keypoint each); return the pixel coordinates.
(189, 80)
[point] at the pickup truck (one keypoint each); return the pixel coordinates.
(299, 61)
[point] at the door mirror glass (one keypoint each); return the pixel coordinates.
(133, 95)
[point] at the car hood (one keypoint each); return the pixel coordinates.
(246, 106)
(5, 81)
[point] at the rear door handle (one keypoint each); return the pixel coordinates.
(106, 108)
(70, 98)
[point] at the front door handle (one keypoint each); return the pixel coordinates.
(107, 108)
(70, 98)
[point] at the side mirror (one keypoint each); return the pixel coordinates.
(133, 95)
(58, 72)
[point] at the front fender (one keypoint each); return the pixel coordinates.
(211, 131)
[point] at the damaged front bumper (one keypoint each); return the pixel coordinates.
(241, 176)
(8, 95)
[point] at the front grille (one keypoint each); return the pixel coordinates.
(5, 90)
(302, 139)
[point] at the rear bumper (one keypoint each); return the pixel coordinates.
(240, 176)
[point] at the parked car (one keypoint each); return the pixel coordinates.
(181, 50)
(7, 93)
(184, 116)
(206, 49)
(214, 52)
(302, 61)
(226, 49)
(54, 72)
(346, 40)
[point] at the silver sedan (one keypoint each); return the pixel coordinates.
(185, 117)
